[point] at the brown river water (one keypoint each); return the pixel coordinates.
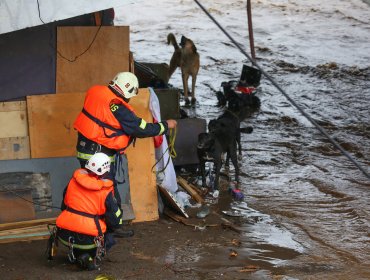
(306, 206)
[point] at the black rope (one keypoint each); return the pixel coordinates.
(58, 52)
(82, 53)
(285, 94)
(38, 8)
(35, 203)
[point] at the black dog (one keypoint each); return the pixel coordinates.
(229, 118)
(223, 137)
(210, 148)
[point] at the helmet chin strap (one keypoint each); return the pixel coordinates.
(127, 100)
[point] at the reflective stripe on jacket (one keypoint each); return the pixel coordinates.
(86, 193)
(97, 103)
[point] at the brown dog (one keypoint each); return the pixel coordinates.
(187, 58)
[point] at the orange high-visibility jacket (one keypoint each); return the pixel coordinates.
(85, 193)
(97, 103)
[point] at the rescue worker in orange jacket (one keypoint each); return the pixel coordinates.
(109, 124)
(90, 213)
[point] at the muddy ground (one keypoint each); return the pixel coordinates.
(207, 248)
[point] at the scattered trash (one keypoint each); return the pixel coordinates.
(215, 194)
(204, 212)
(196, 205)
(249, 268)
(232, 213)
(182, 198)
(237, 194)
(236, 242)
(211, 200)
(104, 277)
(200, 228)
(170, 200)
(233, 253)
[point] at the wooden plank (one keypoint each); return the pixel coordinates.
(30, 223)
(26, 230)
(13, 119)
(190, 189)
(107, 55)
(141, 158)
(51, 119)
(25, 237)
(20, 208)
(15, 148)
(13, 106)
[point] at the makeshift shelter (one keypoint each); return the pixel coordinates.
(47, 64)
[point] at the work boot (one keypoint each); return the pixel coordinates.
(85, 261)
(121, 233)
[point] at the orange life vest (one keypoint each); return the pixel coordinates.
(97, 122)
(85, 193)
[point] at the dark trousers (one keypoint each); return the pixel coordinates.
(83, 239)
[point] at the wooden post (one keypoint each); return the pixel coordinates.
(250, 30)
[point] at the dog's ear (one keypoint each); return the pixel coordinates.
(183, 41)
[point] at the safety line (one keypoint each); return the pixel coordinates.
(284, 93)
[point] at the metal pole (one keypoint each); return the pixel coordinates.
(250, 30)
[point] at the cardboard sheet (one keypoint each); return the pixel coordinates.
(13, 119)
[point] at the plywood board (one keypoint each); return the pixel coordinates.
(107, 55)
(51, 119)
(15, 148)
(141, 158)
(13, 119)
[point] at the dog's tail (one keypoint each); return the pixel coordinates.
(171, 39)
(248, 129)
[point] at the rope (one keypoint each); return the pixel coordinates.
(285, 94)
(170, 149)
(32, 202)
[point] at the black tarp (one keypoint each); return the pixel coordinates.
(28, 57)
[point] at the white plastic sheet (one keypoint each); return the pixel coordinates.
(19, 14)
(168, 177)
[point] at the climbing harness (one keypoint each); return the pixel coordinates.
(100, 249)
(71, 256)
(52, 244)
(71, 244)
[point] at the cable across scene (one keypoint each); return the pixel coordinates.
(322, 130)
(29, 201)
(59, 53)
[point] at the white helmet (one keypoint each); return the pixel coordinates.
(126, 84)
(99, 163)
